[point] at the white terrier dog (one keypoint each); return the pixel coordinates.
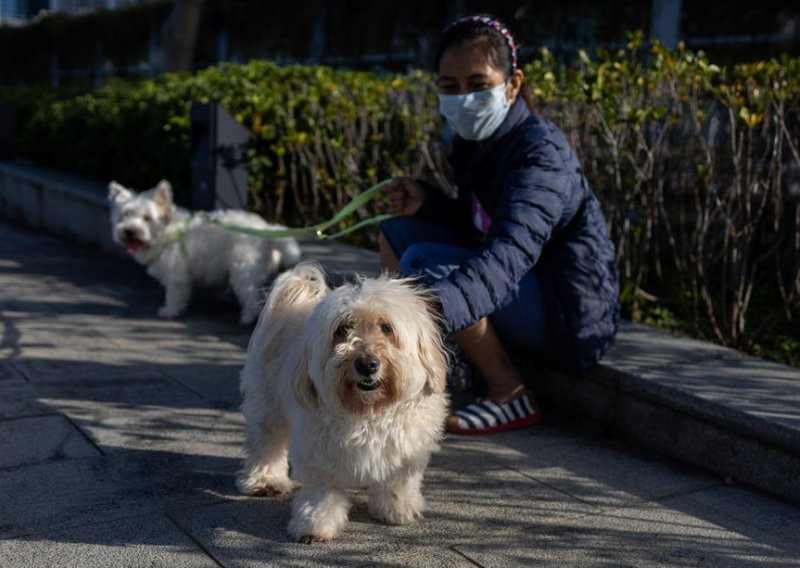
(347, 385)
(181, 250)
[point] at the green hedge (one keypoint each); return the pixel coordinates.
(320, 136)
(694, 163)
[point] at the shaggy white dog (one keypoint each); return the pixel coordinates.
(181, 250)
(347, 385)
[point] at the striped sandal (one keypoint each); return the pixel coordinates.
(487, 417)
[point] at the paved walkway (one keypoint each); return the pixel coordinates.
(120, 437)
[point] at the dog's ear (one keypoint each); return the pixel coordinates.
(162, 195)
(432, 353)
(118, 192)
(434, 361)
(304, 390)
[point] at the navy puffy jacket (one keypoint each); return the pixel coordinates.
(544, 217)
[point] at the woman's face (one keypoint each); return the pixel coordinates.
(465, 68)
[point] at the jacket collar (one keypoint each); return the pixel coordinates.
(517, 114)
(468, 152)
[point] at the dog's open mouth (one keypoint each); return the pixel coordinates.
(133, 245)
(368, 384)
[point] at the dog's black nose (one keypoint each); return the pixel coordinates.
(366, 365)
(129, 234)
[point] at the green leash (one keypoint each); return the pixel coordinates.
(319, 230)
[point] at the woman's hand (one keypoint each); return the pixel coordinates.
(406, 196)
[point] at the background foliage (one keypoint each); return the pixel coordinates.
(319, 136)
(697, 165)
(698, 169)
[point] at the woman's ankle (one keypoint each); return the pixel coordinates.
(504, 395)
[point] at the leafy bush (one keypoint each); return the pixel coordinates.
(26, 101)
(698, 168)
(319, 136)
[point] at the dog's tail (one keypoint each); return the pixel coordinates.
(289, 250)
(304, 283)
(293, 293)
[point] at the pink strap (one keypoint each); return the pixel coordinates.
(479, 216)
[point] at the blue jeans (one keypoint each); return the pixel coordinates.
(433, 251)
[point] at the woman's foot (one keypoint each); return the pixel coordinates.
(485, 416)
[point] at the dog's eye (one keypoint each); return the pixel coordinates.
(387, 328)
(342, 330)
(147, 218)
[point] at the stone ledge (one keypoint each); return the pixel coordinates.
(713, 407)
(66, 205)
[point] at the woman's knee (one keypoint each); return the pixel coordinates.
(416, 259)
(432, 260)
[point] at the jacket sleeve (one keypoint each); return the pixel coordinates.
(534, 191)
(441, 209)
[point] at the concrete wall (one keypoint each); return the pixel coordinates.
(66, 205)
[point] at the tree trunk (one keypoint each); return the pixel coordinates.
(179, 35)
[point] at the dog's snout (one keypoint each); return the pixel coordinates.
(129, 233)
(366, 365)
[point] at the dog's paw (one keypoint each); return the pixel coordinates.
(312, 535)
(263, 486)
(318, 514)
(398, 515)
(398, 508)
(312, 538)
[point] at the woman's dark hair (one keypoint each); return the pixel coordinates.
(492, 37)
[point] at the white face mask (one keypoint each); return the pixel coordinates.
(475, 116)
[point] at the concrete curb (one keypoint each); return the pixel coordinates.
(66, 205)
(724, 412)
(710, 406)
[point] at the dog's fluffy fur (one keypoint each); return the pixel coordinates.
(181, 250)
(347, 385)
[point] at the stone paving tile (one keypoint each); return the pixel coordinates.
(180, 350)
(40, 439)
(578, 462)
(180, 428)
(18, 284)
(106, 489)
(222, 328)
(494, 500)
(18, 395)
(754, 515)
(53, 381)
(18, 307)
(252, 532)
(141, 327)
(341, 258)
(215, 383)
(554, 431)
(85, 284)
(648, 535)
(50, 337)
(84, 346)
(142, 541)
(15, 237)
(463, 500)
(152, 329)
(599, 473)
